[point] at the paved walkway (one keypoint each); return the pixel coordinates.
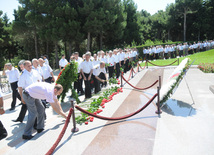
(184, 127)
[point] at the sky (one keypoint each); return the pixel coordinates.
(151, 6)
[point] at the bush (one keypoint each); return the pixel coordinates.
(206, 67)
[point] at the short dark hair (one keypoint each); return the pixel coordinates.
(76, 53)
(58, 87)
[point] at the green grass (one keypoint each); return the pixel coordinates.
(202, 57)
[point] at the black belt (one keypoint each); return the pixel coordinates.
(26, 93)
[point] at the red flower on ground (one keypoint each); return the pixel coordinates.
(86, 123)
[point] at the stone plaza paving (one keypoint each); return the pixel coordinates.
(185, 126)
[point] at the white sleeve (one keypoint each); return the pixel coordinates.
(21, 82)
(50, 69)
(17, 73)
(1, 95)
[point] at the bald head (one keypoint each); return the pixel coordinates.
(28, 65)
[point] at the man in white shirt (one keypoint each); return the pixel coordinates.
(122, 57)
(117, 62)
(13, 77)
(78, 83)
(47, 71)
(46, 60)
(111, 64)
(63, 62)
(33, 95)
(36, 66)
(99, 75)
(28, 77)
(3, 131)
(86, 71)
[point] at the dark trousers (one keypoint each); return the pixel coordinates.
(180, 53)
(22, 112)
(122, 63)
(110, 71)
(103, 77)
(96, 85)
(15, 93)
(126, 68)
(87, 86)
(48, 80)
(78, 84)
(166, 55)
(117, 70)
(3, 131)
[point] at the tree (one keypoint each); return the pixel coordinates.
(186, 7)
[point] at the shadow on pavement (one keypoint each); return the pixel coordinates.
(178, 108)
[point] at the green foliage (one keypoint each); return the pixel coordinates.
(206, 67)
(95, 104)
(66, 78)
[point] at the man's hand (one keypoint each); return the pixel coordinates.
(84, 78)
(2, 111)
(80, 77)
(23, 101)
(53, 79)
(89, 78)
(103, 81)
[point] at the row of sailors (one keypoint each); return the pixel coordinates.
(94, 68)
(181, 49)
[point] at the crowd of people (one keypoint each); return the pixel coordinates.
(32, 83)
(172, 51)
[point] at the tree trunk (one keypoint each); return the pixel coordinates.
(169, 35)
(47, 48)
(66, 54)
(185, 23)
(36, 46)
(101, 40)
(70, 48)
(89, 41)
(199, 35)
(56, 55)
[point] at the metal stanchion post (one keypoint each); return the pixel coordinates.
(74, 129)
(160, 82)
(138, 67)
(121, 83)
(158, 102)
(132, 72)
(147, 64)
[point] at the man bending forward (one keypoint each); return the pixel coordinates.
(33, 95)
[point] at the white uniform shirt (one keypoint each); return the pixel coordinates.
(1, 95)
(28, 78)
(122, 56)
(46, 61)
(86, 66)
(111, 61)
(96, 62)
(63, 62)
(39, 70)
(116, 58)
(13, 74)
(103, 59)
(97, 70)
(46, 69)
(79, 61)
(42, 91)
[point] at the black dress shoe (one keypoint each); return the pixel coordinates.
(27, 137)
(11, 109)
(39, 130)
(16, 120)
